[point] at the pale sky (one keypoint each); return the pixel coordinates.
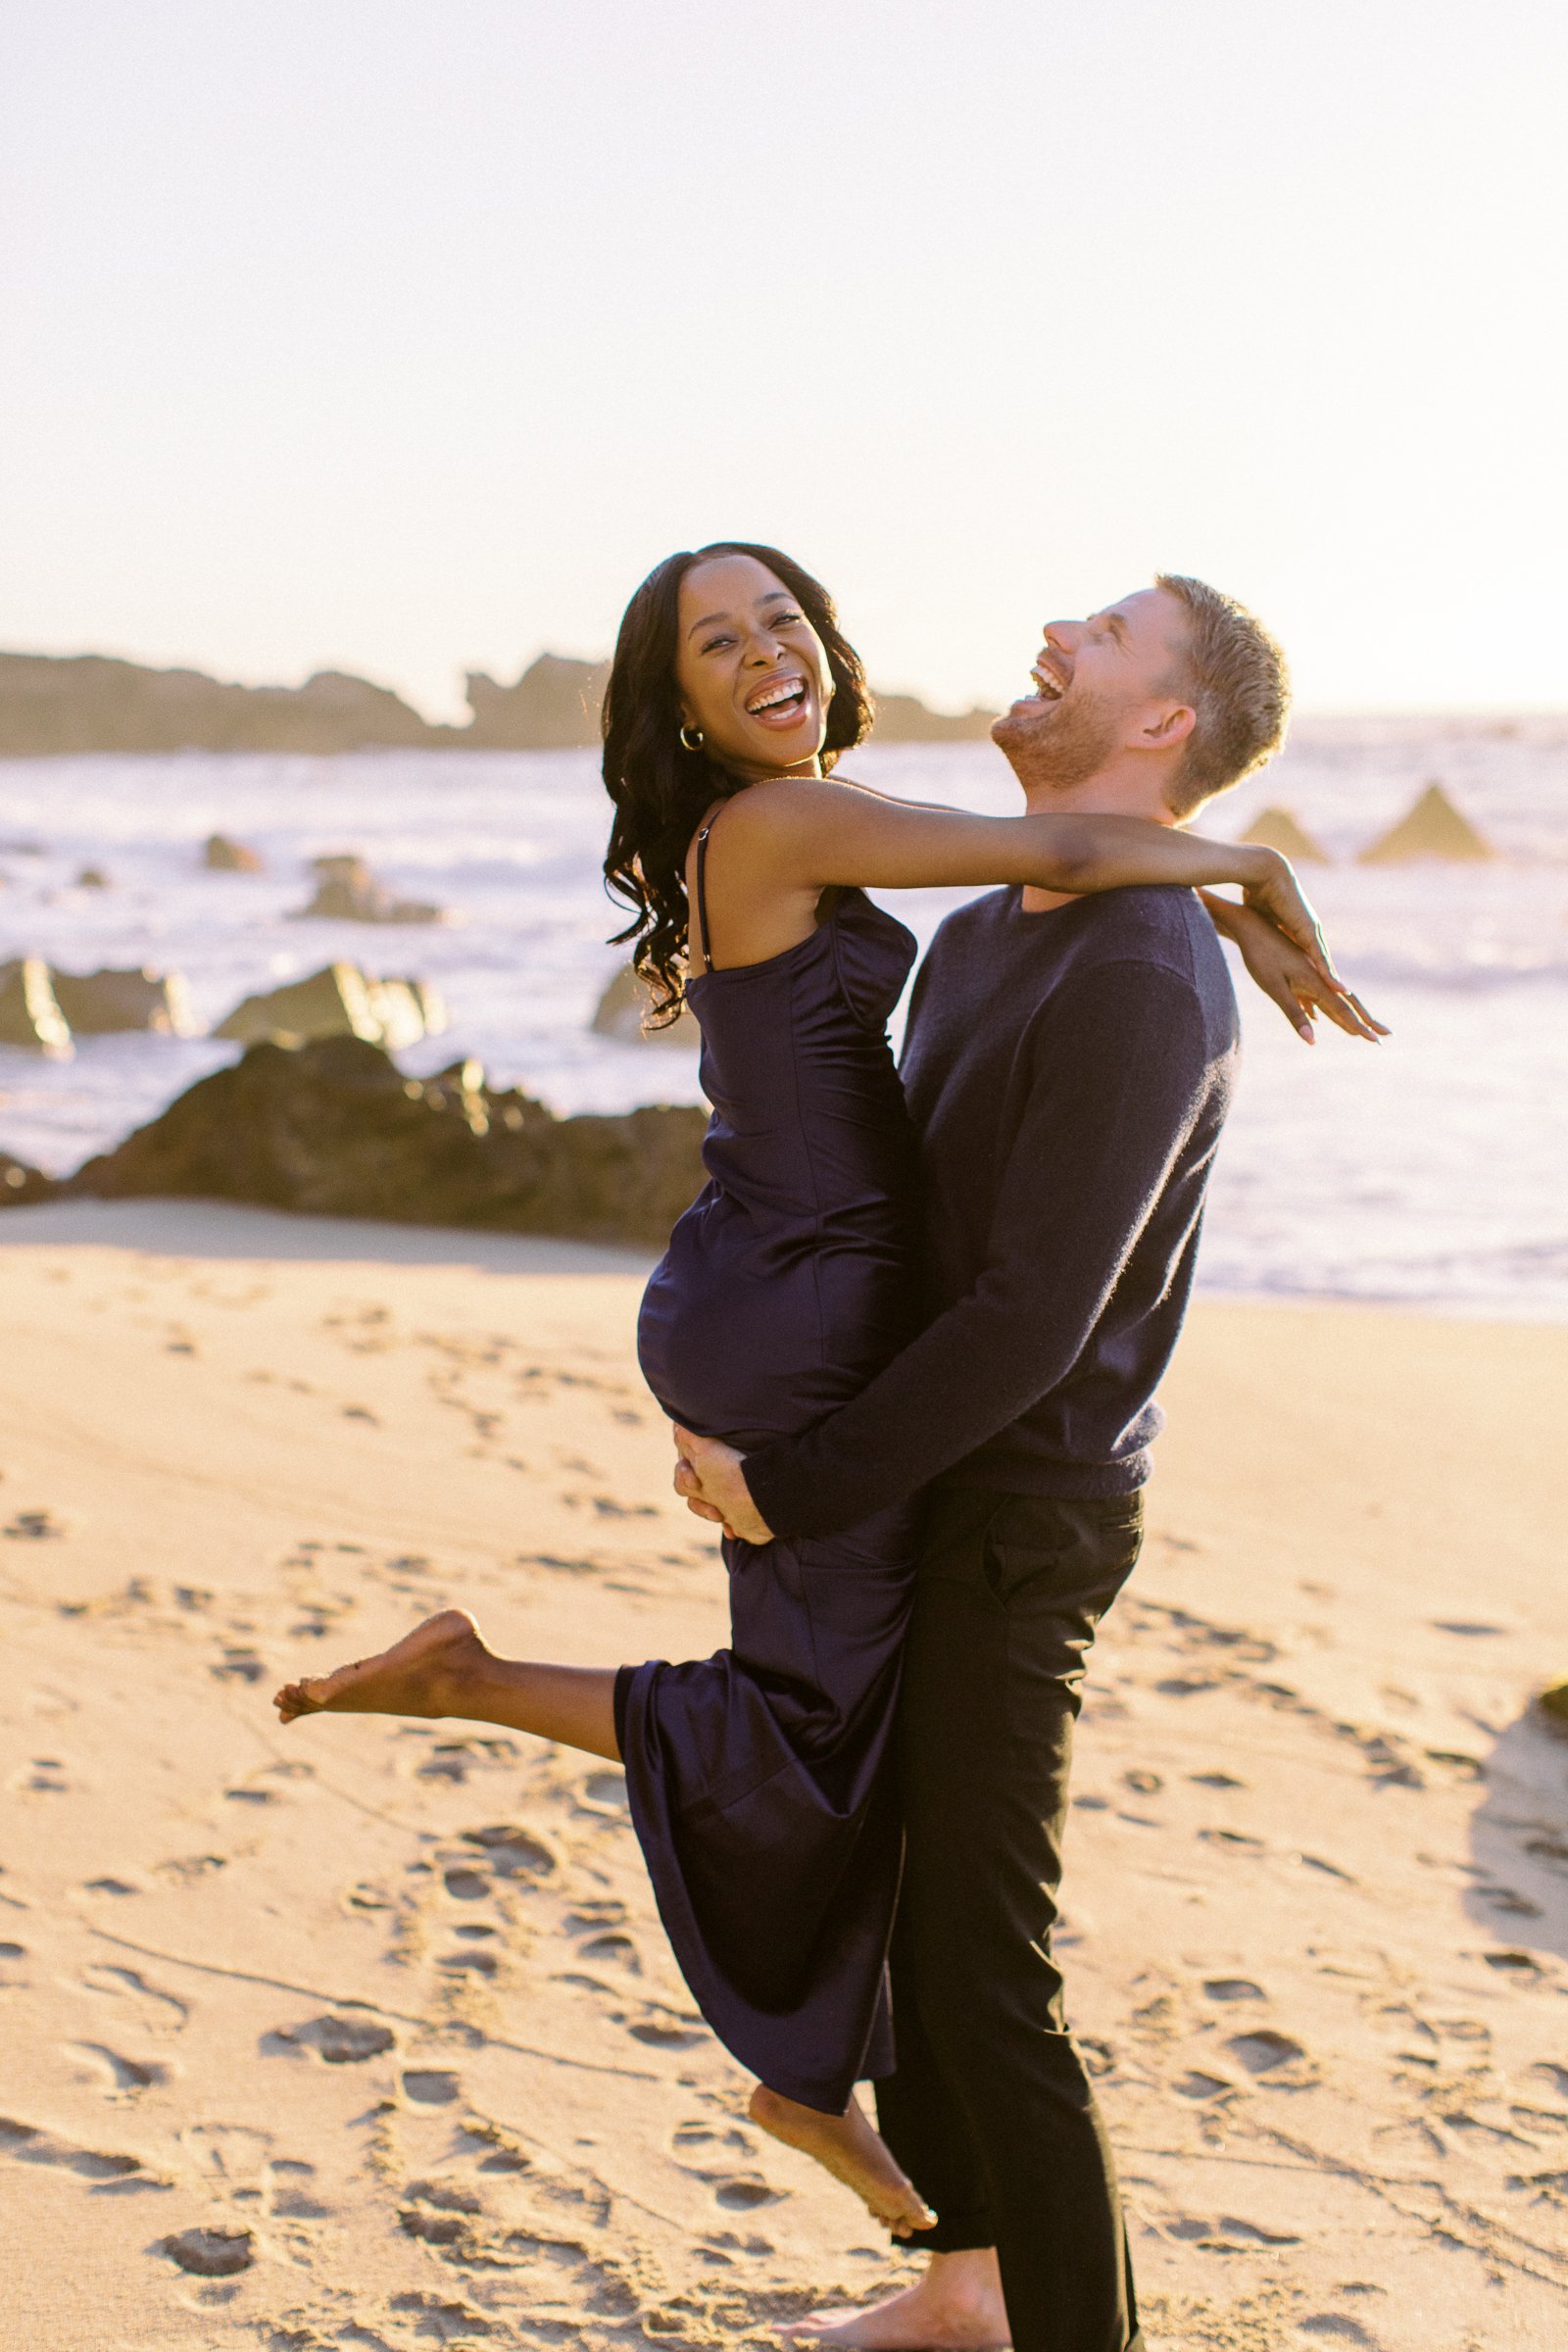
(404, 335)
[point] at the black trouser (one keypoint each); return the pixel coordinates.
(991, 2112)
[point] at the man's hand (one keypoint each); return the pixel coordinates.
(712, 1476)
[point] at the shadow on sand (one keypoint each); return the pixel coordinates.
(1519, 1841)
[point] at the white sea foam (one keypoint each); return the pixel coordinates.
(1428, 1169)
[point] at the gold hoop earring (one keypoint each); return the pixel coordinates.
(691, 739)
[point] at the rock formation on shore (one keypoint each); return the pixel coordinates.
(221, 855)
(339, 1001)
(1433, 828)
(554, 706)
(95, 1004)
(88, 703)
(51, 704)
(347, 891)
(905, 719)
(30, 1015)
(624, 1007)
(21, 1185)
(1281, 830)
(333, 1129)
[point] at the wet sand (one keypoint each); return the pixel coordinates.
(365, 2034)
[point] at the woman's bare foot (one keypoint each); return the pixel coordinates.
(956, 2307)
(427, 1673)
(852, 2150)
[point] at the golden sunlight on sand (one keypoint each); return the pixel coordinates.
(365, 2032)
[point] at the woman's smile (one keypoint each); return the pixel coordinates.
(780, 703)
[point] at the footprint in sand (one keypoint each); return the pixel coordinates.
(336, 2040)
(605, 1793)
(186, 1868)
(210, 2253)
(122, 2076)
(32, 1527)
(1197, 2085)
(470, 1964)
(662, 2036)
(514, 1852)
(29, 2143)
(1265, 2052)
(466, 1885)
(156, 2010)
(430, 2087)
(1233, 1988)
(616, 1946)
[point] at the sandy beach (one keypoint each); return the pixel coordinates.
(365, 2034)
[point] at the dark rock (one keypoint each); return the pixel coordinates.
(21, 1185)
(1553, 1703)
(346, 891)
(333, 1129)
(224, 857)
(340, 1000)
(29, 1013)
(96, 1003)
(93, 877)
(623, 1008)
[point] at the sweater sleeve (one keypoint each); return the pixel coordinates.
(1117, 1076)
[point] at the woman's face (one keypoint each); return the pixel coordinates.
(749, 669)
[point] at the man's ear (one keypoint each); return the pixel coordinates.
(1170, 727)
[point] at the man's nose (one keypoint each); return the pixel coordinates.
(1066, 635)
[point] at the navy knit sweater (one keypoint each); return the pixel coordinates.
(1068, 1074)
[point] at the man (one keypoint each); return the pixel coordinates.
(1068, 1067)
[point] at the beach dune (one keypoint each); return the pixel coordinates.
(364, 2033)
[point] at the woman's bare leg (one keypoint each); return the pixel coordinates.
(444, 1668)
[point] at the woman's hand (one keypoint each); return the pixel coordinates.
(1287, 974)
(1272, 891)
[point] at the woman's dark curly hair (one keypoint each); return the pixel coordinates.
(659, 788)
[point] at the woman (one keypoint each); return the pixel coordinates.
(758, 1778)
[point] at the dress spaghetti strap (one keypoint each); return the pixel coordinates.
(704, 935)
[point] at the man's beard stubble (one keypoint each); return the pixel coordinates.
(1056, 745)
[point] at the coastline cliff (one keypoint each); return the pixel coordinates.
(52, 705)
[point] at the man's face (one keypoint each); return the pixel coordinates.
(1096, 680)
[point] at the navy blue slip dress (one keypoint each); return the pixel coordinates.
(761, 1780)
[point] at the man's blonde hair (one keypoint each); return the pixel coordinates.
(1235, 676)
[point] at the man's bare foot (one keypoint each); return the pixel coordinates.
(852, 2150)
(956, 2307)
(425, 1674)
